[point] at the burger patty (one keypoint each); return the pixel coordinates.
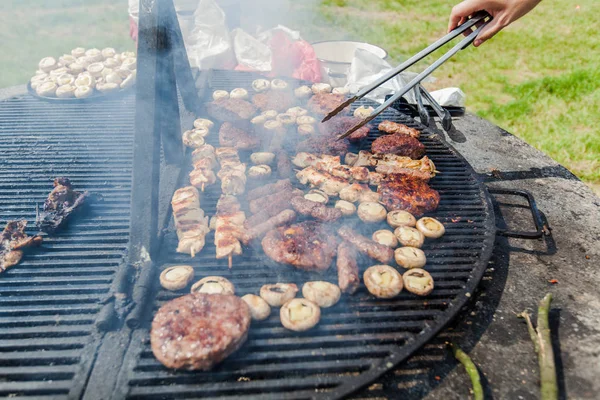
(400, 144)
(408, 193)
(341, 124)
(198, 330)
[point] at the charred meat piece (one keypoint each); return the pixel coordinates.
(283, 218)
(268, 189)
(401, 145)
(347, 267)
(59, 206)
(415, 173)
(396, 128)
(308, 245)
(281, 203)
(278, 100)
(284, 165)
(12, 242)
(341, 124)
(231, 136)
(324, 103)
(199, 330)
(379, 252)
(408, 193)
(316, 210)
(323, 145)
(230, 110)
(257, 205)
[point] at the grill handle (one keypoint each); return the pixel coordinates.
(541, 224)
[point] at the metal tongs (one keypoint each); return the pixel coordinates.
(477, 19)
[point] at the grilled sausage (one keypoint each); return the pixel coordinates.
(284, 165)
(283, 218)
(268, 189)
(272, 209)
(316, 210)
(257, 205)
(347, 267)
(377, 251)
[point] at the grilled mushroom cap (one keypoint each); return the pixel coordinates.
(409, 236)
(259, 171)
(261, 85)
(259, 308)
(194, 138)
(65, 91)
(431, 227)
(46, 89)
(278, 84)
(213, 285)
(350, 158)
(383, 281)
(317, 196)
(305, 130)
(277, 294)
(270, 114)
(386, 238)
(273, 125)
(305, 119)
(265, 158)
(340, 90)
(418, 281)
(176, 277)
(371, 212)
(321, 88)
(83, 91)
(203, 123)
(286, 119)
(299, 315)
(220, 94)
(345, 207)
(400, 218)
(410, 257)
(297, 111)
(322, 293)
(303, 92)
(48, 64)
(238, 93)
(363, 112)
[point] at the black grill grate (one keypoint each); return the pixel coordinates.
(356, 341)
(50, 302)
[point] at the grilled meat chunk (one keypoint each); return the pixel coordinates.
(190, 222)
(347, 267)
(281, 203)
(268, 189)
(257, 205)
(403, 192)
(316, 210)
(379, 252)
(396, 128)
(322, 144)
(341, 124)
(284, 165)
(324, 103)
(308, 245)
(399, 144)
(199, 330)
(231, 136)
(229, 224)
(230, 110)
(283, 218)
(59, 206)
(13, 240)
(279, 100)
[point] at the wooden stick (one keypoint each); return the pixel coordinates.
(202, 188)
(230, 260)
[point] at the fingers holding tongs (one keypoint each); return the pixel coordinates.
(478, 20)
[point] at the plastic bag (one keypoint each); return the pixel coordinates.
(251, 53)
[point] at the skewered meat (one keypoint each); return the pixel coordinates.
(204, 160)
(308, 245)
(377, 251)
(284, 165)
(395, 162)
(59, 206)
(232, 173)
(197, 331)
(341, 124)
(332, 165)
(230, 110)
(12, 242)
(401, 192)
(229, 224)
(231, 136)
(281, 203)
(396, 128)
(347, 268)
(331, 185)
(190, 222)
(283, 218)
(279, 100)
(316, 210)
(324, 103)
(267, 189)
(399, 144)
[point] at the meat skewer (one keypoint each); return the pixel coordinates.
(190, 222)
(379, 252)
(332, 165)
(228, 228)
(204, 161)
(347, 267)
(13, 240)
(232, 173)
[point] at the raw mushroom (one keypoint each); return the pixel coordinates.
(113, 78)
(303, 92)
(297, 111)
(129, 63)
(95, 69)
(363, 112)
(409, 236)
(321, 88)
(76, 68)
(386, 238)
(83, 91)
(65, 79)
(317, 196)
(418, 281)
(213, 285)
(261, 85)
(46, 89)
(400, 218)
(383, 281)
(239, 93)
(203, 123)
(278, 84)
(259, 308)
(262, 158)
(108, 52)
(431, 227)
(48, 64)
(305, 120)
(194, 138)
(220, 94)
(350, 158)
(370, 197)
(128, 81)
(322, 293)
(270, 114)
(78, 52)
(286, 119)
(176, 277)
(66, 59)
(410, 257)
(299, 315)
(111, 63)
(279, 293)
(371, 212)
(340, 90)
(94, 55)
(259, 171)
(65, 91)
(305, 130)
(345, 207)
(85, 80)
(107, 87)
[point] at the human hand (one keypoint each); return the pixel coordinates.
(504, 12)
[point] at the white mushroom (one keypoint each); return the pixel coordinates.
(111, 63)
(383, 281)
(78, 52)
(259, 171)
(410, 257)
(94, 55)
(321, 88)
(176, 277)
(279, 293)
(431, 227)
(261, 85)
(55, 73)
(113, 78)
(85, 61)
(76, 68)
(418, 281)
(400, 218)
(48, 64)
(363, 112)
(194, 138)
(371, 212)
(262, 158)
(305, 120)
(345, 207)
(270, 114)
(306, 130)
(65, 91)
(322, 293)
(124, 72)
(278, 84)
(83, 91)
(259, 308)
(341, 90)
(203, 123)
(85, 80)
(129, 63)
(220, 94)
(238, 93)
(127, 54)
(297, 111)
(107, 87)
(66, 59)
(350, 158)
(107, 71)
(128, 81)
(386, 238)
(303, 92)
(286, 119)
(409, 236)
(108, 52)
(47, 89)
(317, 195)
(299, 315)
(213, 285)
(95, 69)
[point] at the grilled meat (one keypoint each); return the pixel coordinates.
(347, 267)
(396, 128)
(399, 144)
(268, 189)
(379, 252)
(261, 203)
(331, 185)
(59, 206)
(283, 218)
(324, 103)
(316, 210)
(308, 245)
(230, 110)
(232, 173)
(204, 160)
(332, 165)
(13, 240)
(393, 169)
(323, 145)
(279, 100)
(230, 222)
(341, 124)
(392, 163)
(402, 192)
(231, 136)
(197, 331)
(303, 159)
(190, 222)
(284, 165)
(281, 203)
